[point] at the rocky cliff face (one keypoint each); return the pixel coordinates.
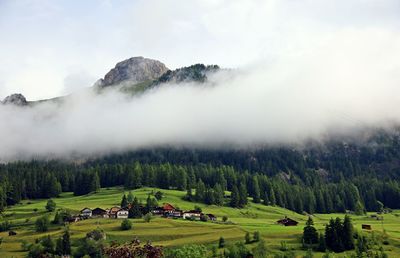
(135, 69)
(15, 99)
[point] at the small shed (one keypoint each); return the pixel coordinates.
(366, 226)
(287, 222)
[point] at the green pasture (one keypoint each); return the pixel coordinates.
(177, 232)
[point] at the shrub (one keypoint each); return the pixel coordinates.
(225, 218)
(247, 238)
(256, 236)
(192, 251)
(158, 195)
(197, 208)
(148, 217)
(42, 224)
(51, 205)
(6, 225)
(221, 243)
(204, 218)
(126, 224)
(96, 235)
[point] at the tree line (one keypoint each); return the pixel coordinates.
(203, 183)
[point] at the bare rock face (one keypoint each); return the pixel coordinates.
(135, 69)
(15, 99)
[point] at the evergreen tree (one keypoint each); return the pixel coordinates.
(256, 190)
(272, 197)
(321, 243)
(63, 246)
(135, 211)
(200, 191)
(235, 197)
(310, 234)
(221, 242)
(266, 199)
(95, 182)
(124, 202)
(347, 236)
(218, 195)
(130, 197)
(48, 244)
(50, 205)
(242, 195)
(247, 239)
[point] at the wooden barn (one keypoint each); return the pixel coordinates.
(287, 222)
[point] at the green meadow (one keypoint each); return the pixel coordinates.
(178, 232)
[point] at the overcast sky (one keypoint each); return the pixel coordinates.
(48, 48)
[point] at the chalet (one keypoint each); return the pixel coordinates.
(168, 208)
(211, 217)
(99, 212)
(173, 214)
(287, 222)
(158, 211)
(86, 213)
(122, 214)
(193, 214)
(112, 213)
(366, 226)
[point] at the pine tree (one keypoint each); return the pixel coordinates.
(95, 182)
(200, 191)
(321, 243)
(247, 239)
(242, 195)
(218, 195)
(50, 205)
(130, 197)
(272, 197)
(134, 211)
(221, 242)
(63, 246)
(124, 202)
(347, 236)
(235, 197)
(310, 234)
(266, 199)
(256, 190)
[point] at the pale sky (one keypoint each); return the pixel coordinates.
(49, 48)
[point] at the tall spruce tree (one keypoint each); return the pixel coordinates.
(348, 232)
(235, 198)
(310, 234)
(256, 190)
(242, 195)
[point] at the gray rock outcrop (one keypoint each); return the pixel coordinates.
(135, 69)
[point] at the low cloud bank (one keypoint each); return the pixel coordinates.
(343, 83)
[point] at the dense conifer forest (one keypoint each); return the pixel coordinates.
(333, 177)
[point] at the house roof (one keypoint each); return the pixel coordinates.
(85, 209)
(168, 206)
(286, 220)
(98, 210)
(193, 211)
(114, 209)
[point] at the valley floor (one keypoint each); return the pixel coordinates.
(178, 232)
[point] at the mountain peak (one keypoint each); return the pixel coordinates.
(135, 69)
(15, 99)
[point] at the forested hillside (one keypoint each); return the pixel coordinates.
(330, 177)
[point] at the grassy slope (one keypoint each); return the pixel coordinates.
(170, 232)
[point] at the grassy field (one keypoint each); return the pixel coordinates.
(177, 232)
